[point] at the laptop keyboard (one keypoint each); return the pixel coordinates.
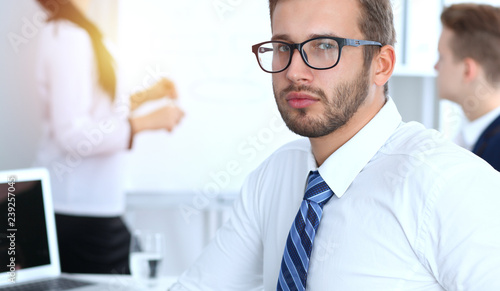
(58, 284)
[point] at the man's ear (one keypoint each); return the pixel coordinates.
(471, 69)
(384, 64)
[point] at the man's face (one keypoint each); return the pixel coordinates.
(450, 70)
(314, 103)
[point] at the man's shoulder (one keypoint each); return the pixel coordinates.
(425, 161)
(286, 159)
(494, 139)
(491, 135)
(299, 145)
(415, 143)
(295, 151)
(490, 150)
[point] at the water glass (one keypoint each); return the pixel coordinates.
(147, 250)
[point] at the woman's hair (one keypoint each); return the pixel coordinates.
(66, 10)
(476, 35)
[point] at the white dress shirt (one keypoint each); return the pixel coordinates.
(411, 211)
(83, 134)
(471, 131)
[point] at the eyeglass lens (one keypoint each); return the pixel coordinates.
(319, 53)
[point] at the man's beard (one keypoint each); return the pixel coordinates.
(345, 101)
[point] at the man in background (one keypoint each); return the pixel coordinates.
(469, 74)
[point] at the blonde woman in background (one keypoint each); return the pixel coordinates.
(85, 135)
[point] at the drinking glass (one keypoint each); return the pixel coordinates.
(146, 256)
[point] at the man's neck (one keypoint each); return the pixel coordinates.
(325, 146)
(482, 106)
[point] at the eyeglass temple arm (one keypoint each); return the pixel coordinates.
(356, 42)
(265, 49)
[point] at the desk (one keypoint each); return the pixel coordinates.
(123, 282)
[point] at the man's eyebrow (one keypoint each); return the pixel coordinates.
(323, 35)
(287, 38)
(283, 37)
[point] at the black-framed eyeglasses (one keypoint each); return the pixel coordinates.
(320, 53)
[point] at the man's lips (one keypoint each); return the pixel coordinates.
(300, 100)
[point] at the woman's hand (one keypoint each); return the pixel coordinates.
(163, 88)
(166, 117)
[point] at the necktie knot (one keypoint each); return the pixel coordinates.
(317, 190)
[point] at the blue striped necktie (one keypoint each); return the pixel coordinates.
(295, 262)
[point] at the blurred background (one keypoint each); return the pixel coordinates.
(183, 183)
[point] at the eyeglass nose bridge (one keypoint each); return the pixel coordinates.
(302, 52)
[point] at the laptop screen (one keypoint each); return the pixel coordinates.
(23, 233)
(28, 239)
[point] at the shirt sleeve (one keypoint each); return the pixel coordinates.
(233, 260)
(462, 235)
(81, 119)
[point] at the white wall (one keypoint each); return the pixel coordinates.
(231, 119)
(19, 126)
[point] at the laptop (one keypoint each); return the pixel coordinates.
(29, 257)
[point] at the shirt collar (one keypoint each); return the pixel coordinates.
(342, 167)
(473, 130)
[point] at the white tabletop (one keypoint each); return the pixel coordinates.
(124, 282)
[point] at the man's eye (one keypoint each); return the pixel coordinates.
(283, 48)
(325, 46)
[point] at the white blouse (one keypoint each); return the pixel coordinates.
(84, 134)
